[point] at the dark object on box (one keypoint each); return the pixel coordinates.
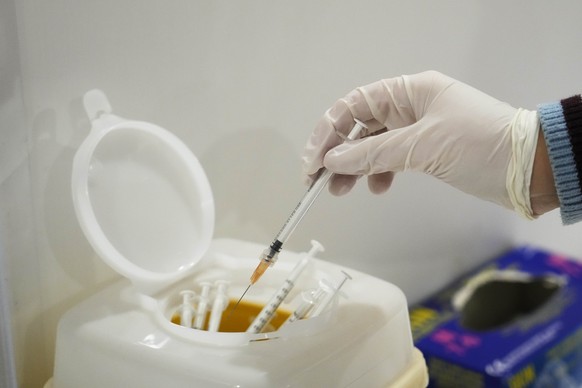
(514, 322)
(498, 302)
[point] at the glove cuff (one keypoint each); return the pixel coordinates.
(524, 134)
(562, 127)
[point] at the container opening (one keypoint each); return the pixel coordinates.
(294, 291)
(241, 318)
(208, 305)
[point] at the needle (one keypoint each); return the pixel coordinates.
(239, 299)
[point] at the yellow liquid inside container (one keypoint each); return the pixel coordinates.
(240, 320)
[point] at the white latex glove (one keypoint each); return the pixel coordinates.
(431, 123)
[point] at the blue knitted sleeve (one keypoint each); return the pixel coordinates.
(561, 124)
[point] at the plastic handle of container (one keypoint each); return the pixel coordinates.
(96, 104)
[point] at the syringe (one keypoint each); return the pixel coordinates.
(315, 302)
(279, 296)
(270, 255)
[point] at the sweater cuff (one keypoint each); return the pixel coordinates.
(562, 127)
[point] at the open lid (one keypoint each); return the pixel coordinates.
(141, 197)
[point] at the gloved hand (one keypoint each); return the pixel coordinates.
(431, 123)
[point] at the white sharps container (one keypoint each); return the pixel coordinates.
(145, 205)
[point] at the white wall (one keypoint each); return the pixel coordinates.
(19, 275)
(243, 83)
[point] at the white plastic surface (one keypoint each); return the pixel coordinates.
(118, 339)
(414, 376)
(141, 198)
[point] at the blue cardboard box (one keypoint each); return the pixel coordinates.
(514, 322)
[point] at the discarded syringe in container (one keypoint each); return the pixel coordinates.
(269, 255)
(218, 306)
(315, 302)
(279, 296)
(203, 301)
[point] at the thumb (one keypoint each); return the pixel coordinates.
(389, 151)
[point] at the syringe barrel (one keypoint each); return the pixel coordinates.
(202, 305)
(273, 304)
(220, 302)
(331, 294)
(304, 205)
(305, 308)
(267, 313)
(312, 192)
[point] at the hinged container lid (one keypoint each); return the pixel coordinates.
(141, 197)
